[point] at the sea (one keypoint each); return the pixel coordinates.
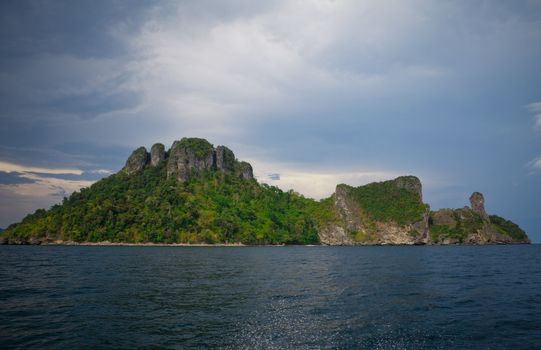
(290, 297)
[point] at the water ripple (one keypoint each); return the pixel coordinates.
(270, 298)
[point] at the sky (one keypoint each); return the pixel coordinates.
(311, 93)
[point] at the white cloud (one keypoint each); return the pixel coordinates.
(12, 167)
(213, 75)
(19, 200)
(535, 108)
(101, 171)
(314, 183)
(536, 163)
(47, 186)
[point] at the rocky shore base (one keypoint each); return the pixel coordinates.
(37, 241)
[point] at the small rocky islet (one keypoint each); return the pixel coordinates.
(195, 193)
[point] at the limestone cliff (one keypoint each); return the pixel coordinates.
(244, 170)
(389, 212)
(190, 155)
(195, 192)
(186, 157)
(157, 154)
(472, 225)
(225, 159)
(137, 161)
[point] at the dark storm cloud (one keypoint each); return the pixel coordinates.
(95, 104)
(438, 89)
(13, 178)
(87, 175)
(81, 28)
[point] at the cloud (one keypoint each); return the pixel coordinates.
(315, 183)
(26, 188)
(341, 91)
(20, 198)
(535, 108)
(535, 164)
(13, 178)
(12, 167)
(101, 171)
(42, 186)
(224, 73)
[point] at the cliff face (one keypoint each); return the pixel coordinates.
(390, 212)
(137, 161)
(157, 154)
(192, 193)
(187, 157)
(472, 225)
(195, 192)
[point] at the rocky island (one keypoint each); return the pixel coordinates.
(195, 193)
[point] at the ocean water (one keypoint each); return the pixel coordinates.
(423, 297)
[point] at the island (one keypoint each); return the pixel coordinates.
(195, 193)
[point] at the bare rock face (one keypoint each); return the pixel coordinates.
(410, 183)
(157, 154)
(137, 161)
(190, 154)
(357, 226)
(334, 235)
(471, 226)
(245, 171)
(477, 202)
(444, 217)
(225, 159)
(347, 209)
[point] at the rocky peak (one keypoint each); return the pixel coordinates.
(477, 202)
(347, 210)
(374, 214)
(225, 159)
(410, 183)
(340, 200)
(190, 154)
(137, 161)
(157, 154)
(195, 154)
(245, 171)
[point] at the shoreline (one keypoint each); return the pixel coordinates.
(144, 244)
(236, 244)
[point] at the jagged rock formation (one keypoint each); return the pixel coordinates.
(390, 212)
(157, 154)
(225, 159)
(188, 156)
(473, 226)
(244, 170)
(477, 201)
(215, 199)
(137, 161)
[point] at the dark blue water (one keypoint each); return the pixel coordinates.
(271, 297)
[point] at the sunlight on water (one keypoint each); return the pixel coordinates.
(266, 297)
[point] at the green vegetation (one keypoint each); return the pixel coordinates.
(439, 232)
(385, 201)
(147, 207)
(200, 147)
(363, 237)
(208, 204)
(507, 227)
(465, 222)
